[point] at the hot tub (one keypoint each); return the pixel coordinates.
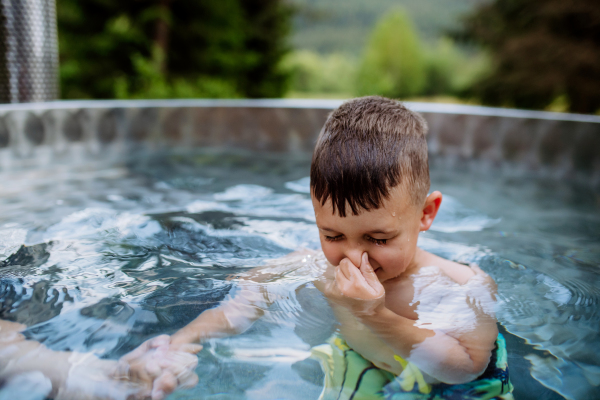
(121, 220)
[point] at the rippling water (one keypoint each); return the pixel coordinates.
(105, 257)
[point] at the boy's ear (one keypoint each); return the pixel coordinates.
(430, 210)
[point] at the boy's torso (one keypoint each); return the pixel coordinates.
(400, 292)
(400, 299)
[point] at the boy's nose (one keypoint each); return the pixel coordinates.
(354, 255)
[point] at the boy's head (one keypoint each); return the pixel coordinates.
(368, 146)
(369, 180)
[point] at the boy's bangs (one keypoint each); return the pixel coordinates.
(358, 175)
(367, 147)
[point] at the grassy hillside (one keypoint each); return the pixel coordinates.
(344, 25)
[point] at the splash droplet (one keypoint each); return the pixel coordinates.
(393, 214)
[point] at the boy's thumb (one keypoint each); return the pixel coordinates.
(365, 261)
(367, 271)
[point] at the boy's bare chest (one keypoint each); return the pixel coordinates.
(399, 299)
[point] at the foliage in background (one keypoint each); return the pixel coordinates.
(451, 70)
(394, 63)
(172, 48)
(343, 26)
(543, 52)
(321, 74)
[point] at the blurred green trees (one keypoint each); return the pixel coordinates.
(172, 48)
(334, 26)
(543, 52)
(540, 54)
(321, 75)
(395, 63)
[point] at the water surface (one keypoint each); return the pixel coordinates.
(115, 254)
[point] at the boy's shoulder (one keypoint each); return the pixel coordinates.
(459, 273)
(431, 279)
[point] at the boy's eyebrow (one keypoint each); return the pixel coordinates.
(377, 231)
(384, 232)
(326, 229)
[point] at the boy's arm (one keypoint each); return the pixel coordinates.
(232, 316)
(19, 356)
(84, 376)
(56, 371)
(451, 359)
(235, 314)
(249, 302)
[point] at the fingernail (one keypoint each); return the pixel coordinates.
(365, 257)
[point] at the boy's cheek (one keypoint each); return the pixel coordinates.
(388, 259)
(332, 255)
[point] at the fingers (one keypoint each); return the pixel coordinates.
(153, 368)
(160, 366)
(168, 382)
(161, 340)
(191, 348)
(137, 352)
(350, 271)
(355, 286)
(135, 371)
(341, 279)
(189, 381)
(369, 274)
(164, 385)
(345, 267)
(359, 283)
(179, 362)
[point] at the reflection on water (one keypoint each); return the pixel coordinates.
(114, 256)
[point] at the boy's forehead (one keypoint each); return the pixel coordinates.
(398, 202)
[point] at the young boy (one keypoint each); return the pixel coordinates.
(409, 321)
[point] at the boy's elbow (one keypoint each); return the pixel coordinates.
(240, 317)
(452, 374)
(467, 371)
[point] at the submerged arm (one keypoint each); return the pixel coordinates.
(233, 316)
(61, 374)
(451, 359)
(249, 302)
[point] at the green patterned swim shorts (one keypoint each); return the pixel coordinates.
(348, 376)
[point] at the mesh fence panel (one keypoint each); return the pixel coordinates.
(28, 51)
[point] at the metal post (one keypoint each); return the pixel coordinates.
(28, 51)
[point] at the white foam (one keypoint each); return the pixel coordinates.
(455, 217)
(11, 238)
(243, 192)
(300, 186)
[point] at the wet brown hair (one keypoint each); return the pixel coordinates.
(368, 146)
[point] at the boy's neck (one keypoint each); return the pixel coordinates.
(417, 262)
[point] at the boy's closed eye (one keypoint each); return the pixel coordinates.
(333, 238)
(378, 242)
(369, 238)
